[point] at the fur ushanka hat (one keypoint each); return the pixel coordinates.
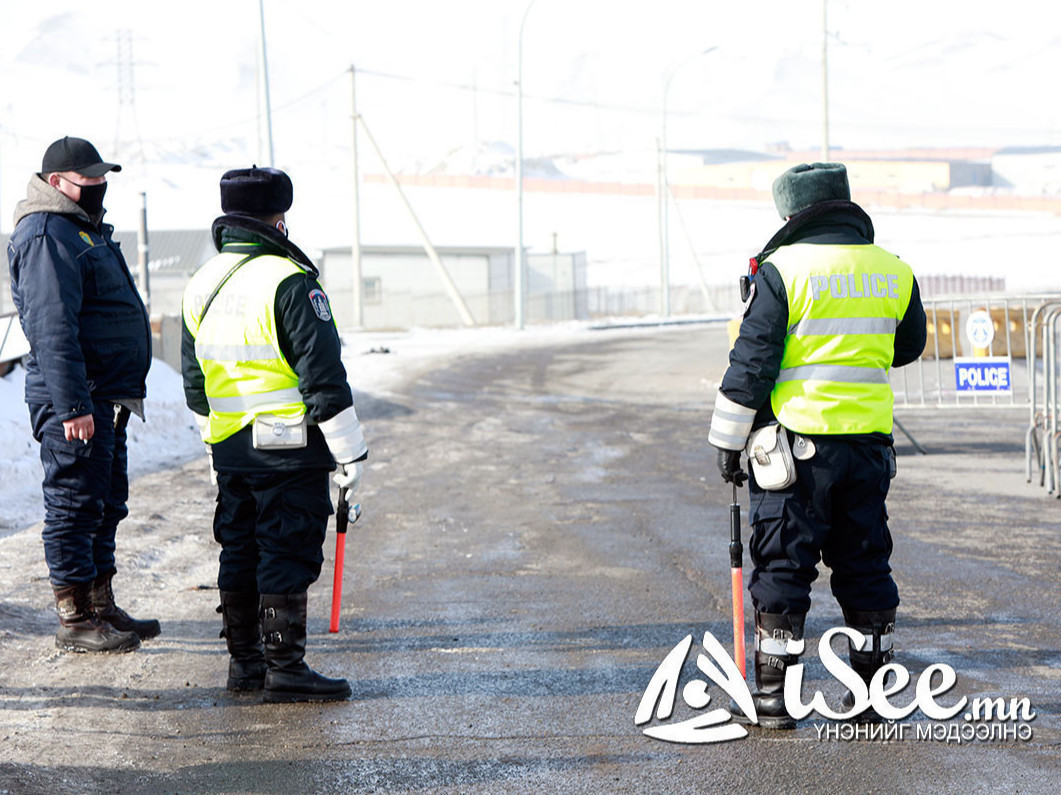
(260, 192)
(804, 185)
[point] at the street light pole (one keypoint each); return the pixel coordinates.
(664, 264)
(664, 214)
(518, 263)
(356, 298)
(825, 83)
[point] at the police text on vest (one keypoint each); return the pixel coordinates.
(855, 285)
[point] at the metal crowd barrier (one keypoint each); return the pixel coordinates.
(1027, 332)
(1043, 437)
(929, 382)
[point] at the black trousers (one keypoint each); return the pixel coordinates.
(271, 528)
(835, 513)
(85, 487)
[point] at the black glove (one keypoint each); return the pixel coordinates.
(729, 466)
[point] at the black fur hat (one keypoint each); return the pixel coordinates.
(804, 185)
(259, 192)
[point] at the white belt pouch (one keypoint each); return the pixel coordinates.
(272, 432)
(770, 456)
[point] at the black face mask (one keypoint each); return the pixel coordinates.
(91, 200)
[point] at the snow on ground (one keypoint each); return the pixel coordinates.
(168, 438)
(376, 363)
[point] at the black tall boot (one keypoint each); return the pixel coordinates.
(878, 627)
(778, 644)
(102, 596)
(81, 630)
(284, 633)
(242, 630)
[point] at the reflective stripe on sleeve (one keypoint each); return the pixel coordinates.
(730, 424)
(344, 436)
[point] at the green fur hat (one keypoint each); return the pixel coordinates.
(804, 185)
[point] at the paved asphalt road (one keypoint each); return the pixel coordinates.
(542, 526)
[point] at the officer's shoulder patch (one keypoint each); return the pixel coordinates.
(86, 237)
(320, 304)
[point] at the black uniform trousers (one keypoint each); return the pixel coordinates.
(271, 528)
(834, 512)
(86, 487)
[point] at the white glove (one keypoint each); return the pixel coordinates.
(348, 477)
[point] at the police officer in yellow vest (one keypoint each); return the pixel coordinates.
(807, 395)
(263, 375)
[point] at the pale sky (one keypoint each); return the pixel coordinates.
(435, 75)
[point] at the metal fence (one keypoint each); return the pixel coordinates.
(1026, 336)
(1043, 437)
(931, 381)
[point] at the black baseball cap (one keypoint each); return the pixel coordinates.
(77, 155)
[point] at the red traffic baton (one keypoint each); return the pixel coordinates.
(342, 522)
(736, 567)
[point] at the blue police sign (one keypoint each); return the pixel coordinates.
(987, 374)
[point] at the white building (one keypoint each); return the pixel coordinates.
(402, 288)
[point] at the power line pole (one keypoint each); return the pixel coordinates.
(429, 247)
(127, 126)
(123, 38)
(265, 86)
(143, 253)
(519, 262)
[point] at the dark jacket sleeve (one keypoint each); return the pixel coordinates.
(755, 360)
(912, 331)
(48, 281)
(194, 380)
(312, 347)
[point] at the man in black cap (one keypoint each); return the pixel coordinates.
(263, 375)
(807, 395)
(90, 350)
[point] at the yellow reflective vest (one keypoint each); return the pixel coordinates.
(236, 343)
(844, 305)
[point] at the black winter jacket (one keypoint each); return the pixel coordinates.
(755, 361)
(310, 345)
(88, 330)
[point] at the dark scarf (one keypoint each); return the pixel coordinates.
(818, 218)
(246, 229)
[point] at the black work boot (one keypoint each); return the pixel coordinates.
(878, 627)
(102, 596)
(284, 633)
(81, 630)
(242, 630)
(778, 644)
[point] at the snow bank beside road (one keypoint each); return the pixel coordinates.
(169, 437)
